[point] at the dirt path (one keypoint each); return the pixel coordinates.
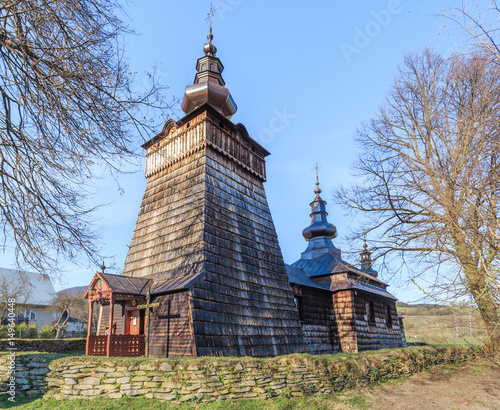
(470, 386)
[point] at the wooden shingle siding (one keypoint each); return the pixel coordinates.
(205, 213)
(208, 211)
(169, 228)
(380, 334)
(245, 294)
(319, 321)
(171, 331)
(343, 303)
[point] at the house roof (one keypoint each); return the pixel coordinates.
(299, 277)
(357, 285)
(123, 284)
(120, 284)
(127, 284)
(36, 289)
(179, 283)
(330, 263)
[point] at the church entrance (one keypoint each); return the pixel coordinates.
(134, 322)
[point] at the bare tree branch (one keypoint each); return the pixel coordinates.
(66, 107)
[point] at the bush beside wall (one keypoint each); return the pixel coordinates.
(209, 379)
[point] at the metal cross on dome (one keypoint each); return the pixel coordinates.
(317, 168)
(211, 14)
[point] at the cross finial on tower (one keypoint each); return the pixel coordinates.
(209, 48)
(210, 18)
(316, 168)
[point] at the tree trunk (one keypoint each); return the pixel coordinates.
(487, 308)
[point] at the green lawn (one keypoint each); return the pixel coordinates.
(348, 399)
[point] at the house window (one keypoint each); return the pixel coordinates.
(299, 306)
(370, 311)
(20, 316)
(388, 316)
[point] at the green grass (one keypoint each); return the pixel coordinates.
(351, 399)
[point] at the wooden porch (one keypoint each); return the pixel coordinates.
(118, 345)
(125, 334)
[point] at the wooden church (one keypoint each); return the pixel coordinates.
(204, 275)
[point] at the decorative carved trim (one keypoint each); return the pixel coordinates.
(178, 145)
(240, 151)
(175, 147)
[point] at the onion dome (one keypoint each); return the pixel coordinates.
(320, 227)
(209, 48)
(209, 87)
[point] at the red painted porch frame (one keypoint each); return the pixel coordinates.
(110, 336)
(134, 346)
(110, 327)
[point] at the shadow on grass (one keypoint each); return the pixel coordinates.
(22, 398)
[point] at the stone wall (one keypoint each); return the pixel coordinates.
(30, 373)
(44, 345)
(208, 379)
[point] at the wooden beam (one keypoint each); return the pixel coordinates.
(147, 307)
(89, 330)
(110, 335)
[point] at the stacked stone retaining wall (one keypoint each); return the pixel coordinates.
(43, 345)
(206, 379)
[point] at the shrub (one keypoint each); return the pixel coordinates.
(21, 331)
(47, 332)
(32, 332)
(3, 332)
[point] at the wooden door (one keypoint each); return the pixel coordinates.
(133, 322)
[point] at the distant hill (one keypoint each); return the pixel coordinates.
(423, 305)
(75, 291)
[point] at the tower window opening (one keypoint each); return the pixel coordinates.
(370, 311)
(299, 306)
(388, 318)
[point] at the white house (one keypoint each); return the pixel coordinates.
(33, 294)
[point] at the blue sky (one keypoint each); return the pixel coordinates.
(304, 76)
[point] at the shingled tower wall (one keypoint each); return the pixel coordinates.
(205, 210)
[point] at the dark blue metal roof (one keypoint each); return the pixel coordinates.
(299, 277)
(317, 266)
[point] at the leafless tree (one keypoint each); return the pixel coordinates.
(66, 108)
(477, 24)
(429, 171)
(66, 306)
